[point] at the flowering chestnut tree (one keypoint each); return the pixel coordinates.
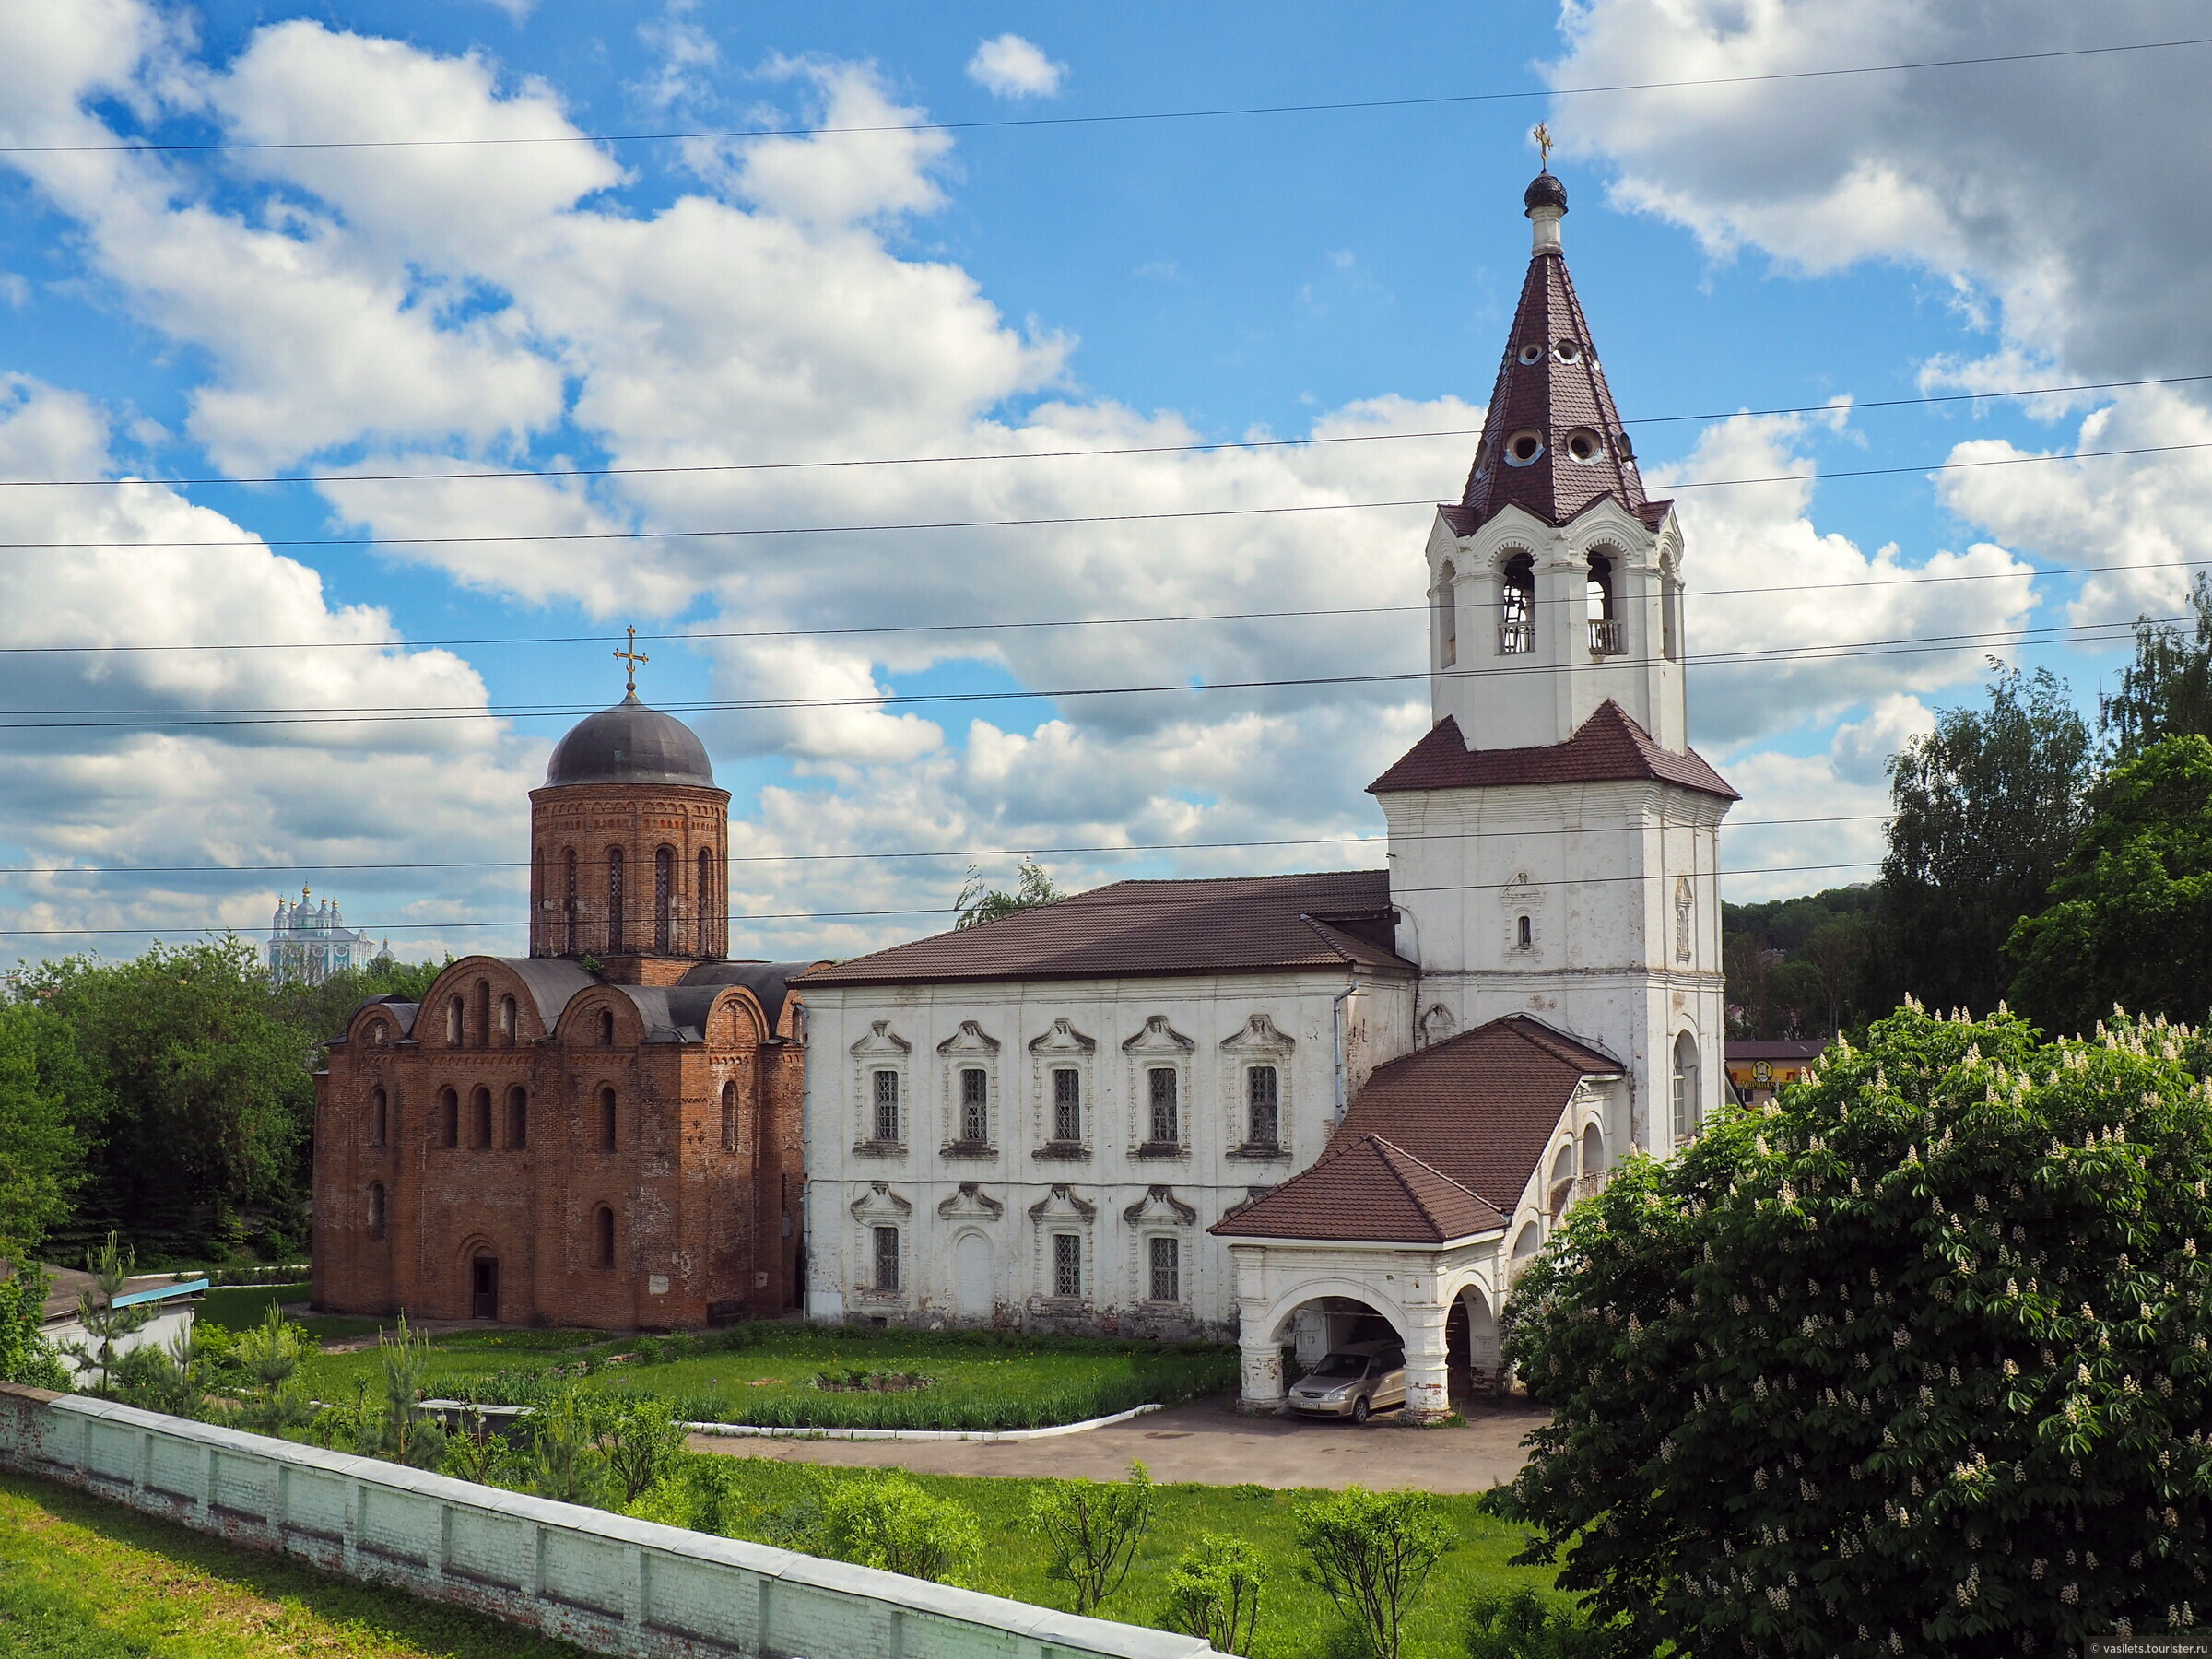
(1912, 1361)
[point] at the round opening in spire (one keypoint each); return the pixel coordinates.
(1568, 349)
(1584, 445)
(1524, 447)
(1531, 353)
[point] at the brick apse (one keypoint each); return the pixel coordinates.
(605, 1133)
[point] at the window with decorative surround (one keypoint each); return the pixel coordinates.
(1068, 1266)
(1061, 1062)
(968, 1065)
(1159, 1064)
(1165, 1269)
(880, 1093)
(1255, 1082)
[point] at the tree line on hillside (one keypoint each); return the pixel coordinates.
(2030, 861)
(170, 1099)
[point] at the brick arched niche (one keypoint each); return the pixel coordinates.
(631, 873)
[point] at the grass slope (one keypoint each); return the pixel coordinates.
(1296, 1620)
(80, 1579)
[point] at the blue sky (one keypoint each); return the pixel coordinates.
(228, 314)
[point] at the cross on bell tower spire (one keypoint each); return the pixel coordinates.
(633, 656)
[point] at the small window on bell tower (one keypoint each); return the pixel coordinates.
(1447, 615)
(1517, 606)
(1524, 935)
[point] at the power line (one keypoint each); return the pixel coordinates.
(996, 123)
(1226, 445)
(1133, 900)
(64, 719)
(1056, 520)
(1378, 838)
(1904, 579)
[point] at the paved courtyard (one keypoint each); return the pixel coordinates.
(1207, 1442)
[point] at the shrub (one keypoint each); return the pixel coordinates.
(25, 1354)
(564, 1462)
(639, 1440)
(1372, 1553)
(408, 1435)
(1091, 1529)
(889, 1521)
(269, 1357)
(1214, 1592)
(1913, 1359)
(1521, 1626)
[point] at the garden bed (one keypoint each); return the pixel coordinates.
(766, 1374)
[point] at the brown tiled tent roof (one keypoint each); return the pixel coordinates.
(1608, 746)
(1366, 1191)
(1481, 1107)
(1554, 396)
(1134, 929)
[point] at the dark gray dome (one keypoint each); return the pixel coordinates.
(1544, 191)
(630, 743)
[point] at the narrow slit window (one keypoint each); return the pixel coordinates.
(603, 1235)
(518, 1118)
(1525, 933)
(449, 1118)
(380, 1117)
(729, 1117)
(479, 1114)
(507, 1020)
(614, 898)
(1447, 615)
(664, 898)
(376, 1209)
(606, 1120)
(568, 902)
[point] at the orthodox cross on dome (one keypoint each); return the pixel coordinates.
(1543, 137)
(633, 656)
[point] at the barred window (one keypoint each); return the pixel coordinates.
(1167, 1270)
(887, 1260)
(975, 1106)
(887, 1105)
(1068, 1266)
(1068, 1104)
(1160, 1090)
(1261, 1097)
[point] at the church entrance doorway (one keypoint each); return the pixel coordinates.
(972, 1276)
(484, 1287)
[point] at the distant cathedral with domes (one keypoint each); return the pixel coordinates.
(308, 943)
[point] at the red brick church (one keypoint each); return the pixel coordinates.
(605, 1132)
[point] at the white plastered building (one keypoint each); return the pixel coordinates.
(1462, 1043)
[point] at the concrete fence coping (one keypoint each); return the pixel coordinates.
(45, 1448)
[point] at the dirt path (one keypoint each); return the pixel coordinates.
(1207, 1442)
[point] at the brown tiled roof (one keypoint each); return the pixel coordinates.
(1366, 1191)
(1155, 928)
(1481, 1106)
(1608, 746)
(1554, 397)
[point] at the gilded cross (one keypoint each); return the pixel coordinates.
(633, 656)
(1542, 138)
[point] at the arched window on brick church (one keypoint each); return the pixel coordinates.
(606, 1027)
(568, 903)
(518, 1118)
(449, 1118)
(606, 1120)
(376, 1209)
(664, 897)
(483, 1014)
(452, 1022)
(507, 1022)
(380, 1117)
(614, 899)
(479, 1120)
(729, 1117)
(603, 1237)
(706, 903)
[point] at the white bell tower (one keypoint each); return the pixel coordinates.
(1554, 839)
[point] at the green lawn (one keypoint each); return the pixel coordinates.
(1296, 1622)
(764, 1372)
(80, 1579)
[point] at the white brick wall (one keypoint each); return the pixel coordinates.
(606, 1583)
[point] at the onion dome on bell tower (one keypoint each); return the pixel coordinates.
(630, 845)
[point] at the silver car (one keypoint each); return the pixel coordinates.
(1353, 1382)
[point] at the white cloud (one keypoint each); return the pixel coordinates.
(1010, 66)
(686, 55)
(1814, 821)
(286, 789)
(1764, 579)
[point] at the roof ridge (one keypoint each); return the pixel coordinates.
(1383, 1140)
